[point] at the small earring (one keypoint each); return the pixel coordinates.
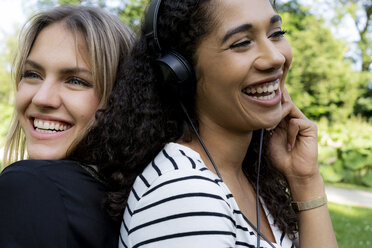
(271, 131)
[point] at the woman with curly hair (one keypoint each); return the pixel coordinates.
(65, 70)
(222, 63)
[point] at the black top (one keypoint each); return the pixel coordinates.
(53, 204)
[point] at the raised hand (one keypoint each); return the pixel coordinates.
(293, 147)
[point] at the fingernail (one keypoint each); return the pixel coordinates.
(289, 147)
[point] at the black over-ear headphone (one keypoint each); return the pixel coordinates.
(176, 71)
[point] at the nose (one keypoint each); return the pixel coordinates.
(270, 56)
(48, 95)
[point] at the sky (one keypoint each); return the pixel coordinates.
(11, 13)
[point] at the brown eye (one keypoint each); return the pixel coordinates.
(278, 34)
(240, 44)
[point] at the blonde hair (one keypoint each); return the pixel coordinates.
(108, 41)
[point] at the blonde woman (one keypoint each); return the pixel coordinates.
(65, 70)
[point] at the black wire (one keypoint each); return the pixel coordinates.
(259, 234)
(200, 140)
(258, 190)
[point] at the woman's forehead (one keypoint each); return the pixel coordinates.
(232, 13)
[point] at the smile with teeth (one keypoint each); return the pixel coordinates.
(42, 126)
(265, 91)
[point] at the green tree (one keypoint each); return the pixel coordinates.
(51, 3)
(129, 11)
(322, 83)
(7, 52)
(132, 13)
(361, 13)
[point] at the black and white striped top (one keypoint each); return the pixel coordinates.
(178, 202)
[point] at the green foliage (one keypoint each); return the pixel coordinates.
(47, 4)
(345, 151)
(320, 81)
(52, 3)
(6, 111)
(352, 225)
(363, 105)
(361, 12)
(7, 54)
(133, 12)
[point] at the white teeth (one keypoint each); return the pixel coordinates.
(267, 87)
(271, 96)
(45, 131)
(49, 126)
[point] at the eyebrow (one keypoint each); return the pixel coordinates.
(34, 64)
(64, 71)
(76, 71)
(231, 32)
(275, 18)
(246, 27)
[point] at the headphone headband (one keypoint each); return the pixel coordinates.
(151, 22)
(177, 74)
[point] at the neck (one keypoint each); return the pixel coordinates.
(227, 149)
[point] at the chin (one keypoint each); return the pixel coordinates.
(45, 155)
(270, 121)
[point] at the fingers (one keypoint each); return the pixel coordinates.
(299, 127)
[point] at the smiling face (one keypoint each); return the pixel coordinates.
(56, 98)
(241, 66)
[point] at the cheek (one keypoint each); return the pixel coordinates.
(86, 108)
(287, 53)
(286, 50)
(23, 98)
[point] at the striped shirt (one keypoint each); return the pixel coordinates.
(178, 202)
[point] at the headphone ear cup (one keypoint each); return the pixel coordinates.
(177, 73)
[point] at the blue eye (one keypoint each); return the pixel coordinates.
(240, 44)
(30, 75)
(79, 82)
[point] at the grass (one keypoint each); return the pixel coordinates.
(353, 225)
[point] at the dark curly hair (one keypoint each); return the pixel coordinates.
(142, 117)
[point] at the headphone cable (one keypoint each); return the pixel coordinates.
(200, 140)
(257, 229)
(258, 189)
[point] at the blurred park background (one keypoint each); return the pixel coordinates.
(330, 81)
